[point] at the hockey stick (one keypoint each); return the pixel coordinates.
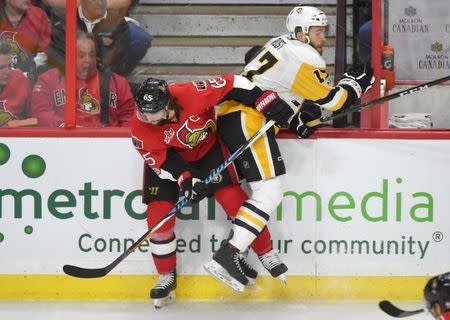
(362, 106)
(80, 272)
(395, 312)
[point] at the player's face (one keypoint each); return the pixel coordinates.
(86, 63)
(155, 118)
(5, 68)
(318, 37)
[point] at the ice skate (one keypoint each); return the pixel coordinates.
(226, 268)
(164, 290)
(249, 272)
(272, 262)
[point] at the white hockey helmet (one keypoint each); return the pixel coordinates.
(305, 17)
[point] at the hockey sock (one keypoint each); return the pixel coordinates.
(231, 199)
(163, 243)
(262, 243)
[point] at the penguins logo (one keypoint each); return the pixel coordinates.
(193, 137)
(87, 103)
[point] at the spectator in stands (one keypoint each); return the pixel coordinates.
(365, 31)
(111, 34)
(141, 40)
(103, 98)
(27, 29)
(15, 91)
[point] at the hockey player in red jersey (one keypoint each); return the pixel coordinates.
(437, 296)
(174, 129)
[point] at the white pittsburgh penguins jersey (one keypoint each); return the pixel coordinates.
(296, 71)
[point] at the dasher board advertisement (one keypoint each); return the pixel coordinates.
(349, 207)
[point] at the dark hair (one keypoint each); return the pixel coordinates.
(5, 48)
(83, 35)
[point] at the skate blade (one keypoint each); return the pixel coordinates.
(282, 278)
(220, 274)
(251, 282)
(159, 303)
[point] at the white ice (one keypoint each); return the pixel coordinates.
(197, 310)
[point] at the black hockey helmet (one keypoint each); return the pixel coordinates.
(437, 291)
(153, 95)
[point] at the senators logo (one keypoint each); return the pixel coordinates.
(5, 115)
(193, 137)
(18, 54)
(87, 103)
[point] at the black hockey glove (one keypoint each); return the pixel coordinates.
(274, 108)
(192, 188)
(309, 111)
(358, 79)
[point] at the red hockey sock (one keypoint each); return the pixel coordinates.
(262, 243)
(163, 242)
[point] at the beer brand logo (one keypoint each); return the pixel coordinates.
(410, 11)
(437, 47)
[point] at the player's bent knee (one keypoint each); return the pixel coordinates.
(267, 194)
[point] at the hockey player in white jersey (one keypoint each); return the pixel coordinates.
(291, 65)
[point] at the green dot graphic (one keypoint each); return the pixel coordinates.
(28, 229)
(4, 153)
(33, 166)
(1, 237)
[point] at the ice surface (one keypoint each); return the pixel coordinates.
(197, 310)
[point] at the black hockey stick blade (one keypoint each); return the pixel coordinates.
(79, 272)
(395, 312)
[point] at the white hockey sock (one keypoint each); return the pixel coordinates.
(242, 238)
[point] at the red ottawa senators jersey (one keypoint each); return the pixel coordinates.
(14, 97)
(195, 132)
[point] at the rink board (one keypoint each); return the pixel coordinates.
(360, 218)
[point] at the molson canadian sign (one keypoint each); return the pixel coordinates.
(419, 33)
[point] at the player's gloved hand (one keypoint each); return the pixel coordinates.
(309, 111)
(274, 108)
(358, 79)
(192, 188)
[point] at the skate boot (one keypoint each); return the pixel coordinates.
(164, 290)
(249, 272)
(272, 262)
(226, 268)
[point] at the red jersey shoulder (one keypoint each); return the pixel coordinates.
(216, 83)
